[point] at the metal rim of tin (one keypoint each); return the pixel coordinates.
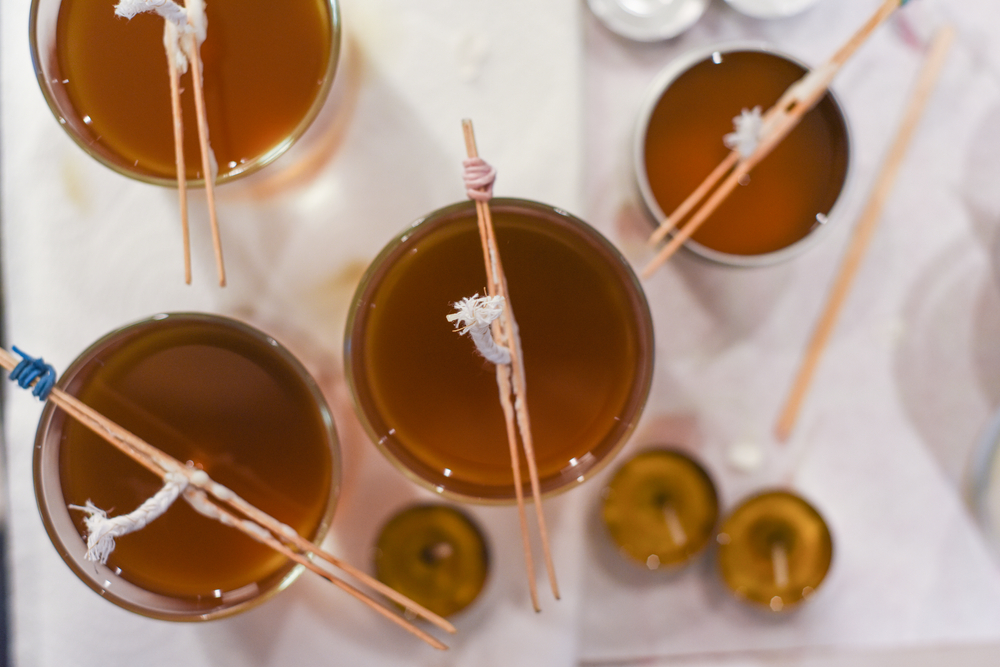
(982, 480)
(652, 97)
(648, 20)
(771, 9)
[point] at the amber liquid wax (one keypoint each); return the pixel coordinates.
(227, 404)
(788, 193)
(264, 65)
(433, 400)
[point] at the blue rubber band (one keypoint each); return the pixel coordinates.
(29, 370)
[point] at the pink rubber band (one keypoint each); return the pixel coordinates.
(479, 177)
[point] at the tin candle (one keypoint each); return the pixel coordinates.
(435, 555)
(787, 199)
(660, 508)
(774, 550)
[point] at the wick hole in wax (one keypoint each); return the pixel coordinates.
(437, 552)
(674, 527)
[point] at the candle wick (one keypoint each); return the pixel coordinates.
(437, 552)
(674, 527)
(475, 316)
(779, 561)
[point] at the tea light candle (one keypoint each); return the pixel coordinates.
(660, 508)
(435, 555)
(774, 550)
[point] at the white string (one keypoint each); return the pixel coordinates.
(474, 315)
(102, 531)
(181, 21)
(747, 132)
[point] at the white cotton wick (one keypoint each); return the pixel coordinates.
(171, 42)
(479, 177)
(168, 9)
(197, 19)
(474, 315)
(747, 132)
(181, 21)
(102, 531)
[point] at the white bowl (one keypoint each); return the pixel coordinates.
(648, 20)
(771, 9)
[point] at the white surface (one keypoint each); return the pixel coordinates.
(902, 394)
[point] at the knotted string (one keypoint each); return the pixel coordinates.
(29, 370)
(479, 177)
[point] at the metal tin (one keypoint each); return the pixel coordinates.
(652, 97)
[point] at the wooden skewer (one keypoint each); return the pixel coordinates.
(507, 333)
(864, 230)
(198, 498)
(160, 463)
(170, 43)
(778, 121)
(206, 163)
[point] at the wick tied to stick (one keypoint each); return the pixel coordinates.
(210, 499)
(184, 31)
(497, 314)
(770, 129)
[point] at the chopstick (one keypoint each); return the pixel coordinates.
(864, 230)
(778, 122)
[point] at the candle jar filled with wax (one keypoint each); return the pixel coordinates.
(774, 550)
(435, 555)
(430, 401)
(786, 202)
(660, 508)
(267, 69)
(217, 395)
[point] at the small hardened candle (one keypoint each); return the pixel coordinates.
(435, 555)
(774, 550)
(660, 508)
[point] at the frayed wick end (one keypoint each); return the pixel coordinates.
(474, 315)
(747, 132)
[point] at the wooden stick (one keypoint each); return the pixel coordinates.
(206, 164)
(170, 43)
(508, 333)
(778, 122)
(699, 193)
(160, 463)
(503, 374)
(864, 230)
(198, 498)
